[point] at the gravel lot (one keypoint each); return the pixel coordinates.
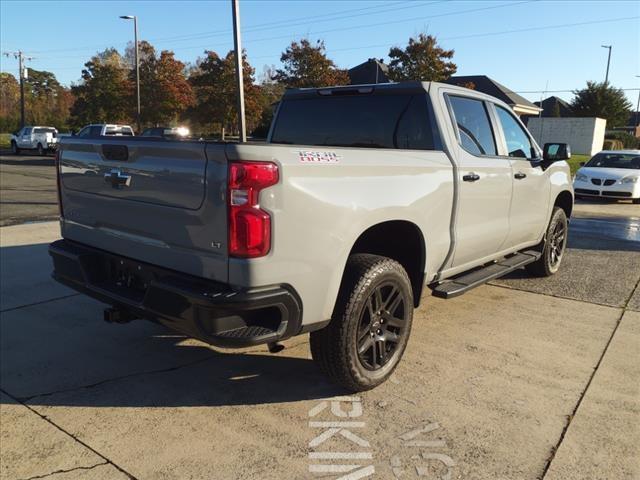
(521, 379)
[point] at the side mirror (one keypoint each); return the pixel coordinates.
(73, 133)
(582, 164)
(555, 152)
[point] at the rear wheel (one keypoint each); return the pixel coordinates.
(636, 201)
(14, 148)
(40, 149)
(553, 246)
(370, 326)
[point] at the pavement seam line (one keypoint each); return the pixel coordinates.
(66, 471)
(586, 388)
(559, 296)
(40, 302)
(58, 427)
(149, 372)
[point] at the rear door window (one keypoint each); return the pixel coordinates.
(370, 121)
(474, 126)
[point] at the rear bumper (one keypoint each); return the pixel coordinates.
(200, 308)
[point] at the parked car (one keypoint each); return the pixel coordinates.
(173, 133)
(40, 139)
(105, 129)
(613, 174)
(361, 196)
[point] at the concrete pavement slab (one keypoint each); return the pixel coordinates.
(65, 344)
(31, 446)
(603, 440)
(487, 383)
(25, 274)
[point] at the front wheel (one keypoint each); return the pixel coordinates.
(14, 148)
(370, 325)
(40, 150)
(553, 246)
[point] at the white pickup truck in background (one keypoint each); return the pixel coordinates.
(42, 139)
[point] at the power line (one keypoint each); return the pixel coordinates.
(269, 25)
(354, 27)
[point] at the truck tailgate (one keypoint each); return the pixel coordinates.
(156, 201)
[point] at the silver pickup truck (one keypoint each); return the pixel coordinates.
(361, 197)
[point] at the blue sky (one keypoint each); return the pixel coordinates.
(537, 54)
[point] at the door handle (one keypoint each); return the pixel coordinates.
(520, 176)
(471, 177)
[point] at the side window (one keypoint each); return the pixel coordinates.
(84, 132)
(518, 143)
(95, 131)
(472, 119)
(27, 132)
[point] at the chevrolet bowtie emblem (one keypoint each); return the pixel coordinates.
(117, 179)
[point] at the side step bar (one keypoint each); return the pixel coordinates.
(456, 286)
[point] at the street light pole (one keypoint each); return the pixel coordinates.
(637, 110)
(135, 39)
(606, 78)
(235, 7)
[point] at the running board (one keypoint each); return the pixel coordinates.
(466, 281)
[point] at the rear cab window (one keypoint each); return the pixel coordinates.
(394, 121)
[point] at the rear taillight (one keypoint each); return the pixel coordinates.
(249, 225)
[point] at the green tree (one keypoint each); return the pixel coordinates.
(306, 65)
(164, 90)
(47, 101)
(214, 84)
(604, 101)
(422, 59)
(104, 92)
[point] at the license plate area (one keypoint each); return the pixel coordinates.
(124, 277)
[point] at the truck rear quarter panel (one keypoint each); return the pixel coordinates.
(326, 198)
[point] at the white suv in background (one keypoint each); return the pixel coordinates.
(611, 174)
(42, 139)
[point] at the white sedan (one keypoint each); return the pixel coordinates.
(611, 174)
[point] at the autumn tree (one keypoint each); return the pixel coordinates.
(47, 101)
(164, 90)
(9, 103)
(604, 101)
(214, 84)
(306, 65)
(104, 92)
(422, 59)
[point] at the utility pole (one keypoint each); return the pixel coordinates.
(20, 56)
(135, 39)
(235, 7)
(637, 110)
(606, 77)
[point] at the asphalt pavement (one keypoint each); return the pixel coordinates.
(521, 379)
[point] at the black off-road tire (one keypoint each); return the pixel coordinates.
(552, 247)
(41, 150)
(636, 201)
(14, 148)
(368, 278)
